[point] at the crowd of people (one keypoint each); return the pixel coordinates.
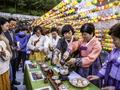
(18, 44)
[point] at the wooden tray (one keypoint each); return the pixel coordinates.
(55, 86)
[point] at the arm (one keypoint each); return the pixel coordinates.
(58, 48)
(23, 45)
(46, 44)
(102, 71)
(30, 45)
(6, 54)
(17, 40)
(42, 41)
(106, 66)
(87, 61)
(73, 46)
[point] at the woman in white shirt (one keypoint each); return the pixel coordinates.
(51, 42)
(36, 45)
(5, 56)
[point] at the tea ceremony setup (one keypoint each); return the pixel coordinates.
(59, 44)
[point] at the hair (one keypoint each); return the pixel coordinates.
(36, 28)
(54, 29)
(24, 28)
(11, 19)
(2, 22)
(21, 28)
(88, 28)
(115, 30)
(46, 32)
(67, 28)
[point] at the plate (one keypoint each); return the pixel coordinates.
(79, 82)
(45, 88)
(36, 75)
(63, 87)
(55, 77)
(32, 66)
(58, 82)
(44, 65)
(64, 71)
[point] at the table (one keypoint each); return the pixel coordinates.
(32, 85)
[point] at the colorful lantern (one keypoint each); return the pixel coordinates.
(101, 1)
(94, 1)
(79, 1)
(88, 4)
(74, 2)
(67, 1)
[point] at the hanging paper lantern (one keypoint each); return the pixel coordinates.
(94, 1)
(67, 1)
(116, 3)
(88, 4)
(106, 6)
(114, 16)
(74, 2)
(110, 5)
(101, 1)
(79, 1)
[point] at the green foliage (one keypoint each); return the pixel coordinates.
(33, 7)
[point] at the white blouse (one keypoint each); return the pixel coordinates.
(4, 64)
(39, 44)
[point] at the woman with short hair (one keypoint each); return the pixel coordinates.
(36, 45)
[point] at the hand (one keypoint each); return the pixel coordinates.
(71, 61)
(36, 49)
(13, 48)
(66, 55)
(2, 53)
(51, 48)
(108, 88)
(92, 77)
(55, 59)
(18, 49)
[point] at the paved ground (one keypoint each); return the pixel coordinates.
(20, 77)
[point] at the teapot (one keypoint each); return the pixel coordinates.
(64, 70)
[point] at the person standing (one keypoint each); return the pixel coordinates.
(51, 42)
(22, 40)
(89, 50)
(5, 56)
(10, 35)
(63, 43)
(110, 72)
(36, 45)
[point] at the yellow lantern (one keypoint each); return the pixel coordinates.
(94, 1)
(74, 2)
(114, 16)
(88, 4)
(110, 5)
(101, 1)
(106, 6)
